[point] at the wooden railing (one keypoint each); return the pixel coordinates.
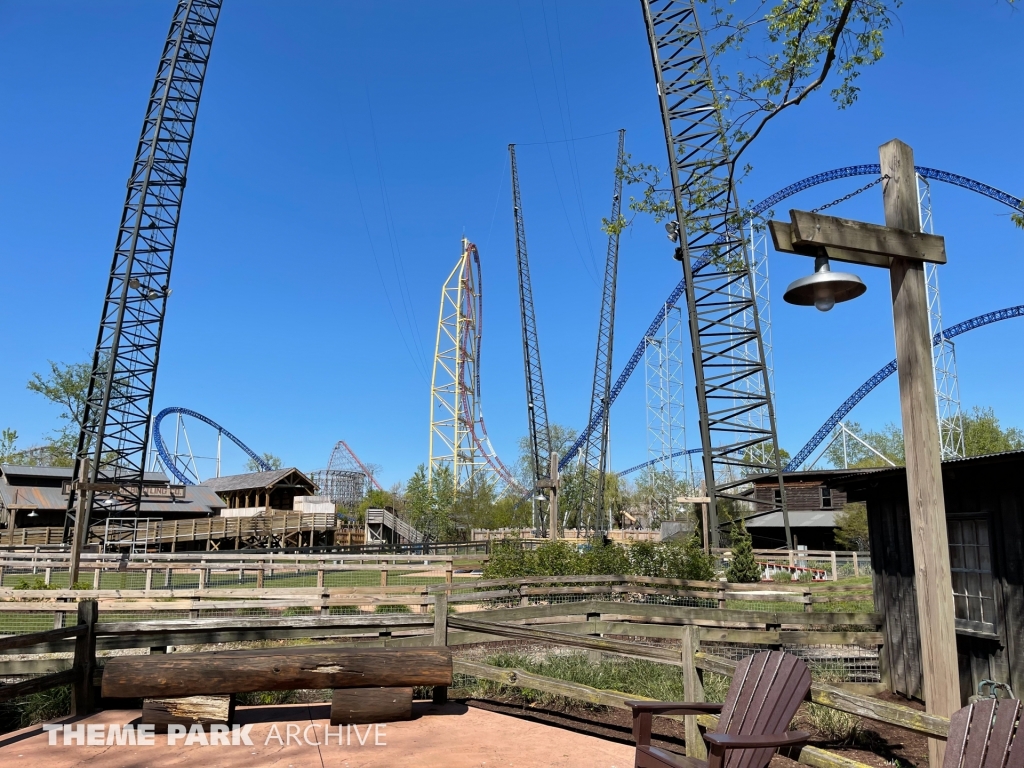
(279, 524)
(591, 625)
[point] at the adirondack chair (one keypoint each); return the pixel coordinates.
(981, 735)
(764, 695)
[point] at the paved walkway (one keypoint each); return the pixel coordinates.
(452, 736)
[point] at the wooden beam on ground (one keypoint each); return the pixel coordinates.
(203, 674)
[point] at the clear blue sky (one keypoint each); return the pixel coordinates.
(344, 148)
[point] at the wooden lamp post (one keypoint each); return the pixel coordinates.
(903, 249)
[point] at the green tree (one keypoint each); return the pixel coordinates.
(697, 564)
(852, 527)
(8, 445)
(743, 568)
(271, 459)
(983, 435)
(67, 386)
(888, 441)
(375, 499)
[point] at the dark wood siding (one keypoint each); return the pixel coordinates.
(802, 496)
(975, 489)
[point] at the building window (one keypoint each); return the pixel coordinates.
(826, 497)
(970, 558)
(778, 495)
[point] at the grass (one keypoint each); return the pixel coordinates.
(35, 708)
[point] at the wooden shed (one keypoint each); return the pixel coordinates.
(985, 520)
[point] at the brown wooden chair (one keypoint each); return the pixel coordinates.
(981, 735)
(764, 695)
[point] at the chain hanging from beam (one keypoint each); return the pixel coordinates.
(536, 403)
(595, 461)
(119, 404)
(729, 356)
(947, 386)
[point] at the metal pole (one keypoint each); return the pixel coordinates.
(553, 497)
(935, 611)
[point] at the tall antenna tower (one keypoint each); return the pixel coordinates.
(119, 403)
(728, 350)
(455, 418)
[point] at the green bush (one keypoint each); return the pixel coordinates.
(392, 609)
(509, 560)
(782, 577)
(36, 582)
(805, 576)
(560, 558)
(743, 568)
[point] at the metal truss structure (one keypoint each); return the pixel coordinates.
(762, 207)
(947, 386)
(729, 361)
(346, 480)
(182, 464)
(536, 403)
(595, 454)
(119, 404)
(666, 422)
(454, 402)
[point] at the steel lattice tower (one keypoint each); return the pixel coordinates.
(728, 351)
(947, 387)
(454, 405)
(595, 452)
(536, 403)
(664, 361)
(119, 404)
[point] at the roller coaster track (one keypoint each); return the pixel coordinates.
(870, 169)
(888, 370)
(862, 391)
(165, 456)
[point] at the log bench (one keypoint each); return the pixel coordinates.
(370, 685)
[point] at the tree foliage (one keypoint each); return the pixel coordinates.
(66, 385)
(743, 568)
(274, 462)
(509, 559)
(852, 527)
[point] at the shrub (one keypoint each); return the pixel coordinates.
(833, 725)
(509, 560)
(743, 569)
(698, 565)
(604, 559)
(36, 582)
(782, 577)
(558, 558)
(805, 576)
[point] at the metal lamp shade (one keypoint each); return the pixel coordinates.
(823, 289)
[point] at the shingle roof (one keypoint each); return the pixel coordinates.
(198, 500)
(253, 480)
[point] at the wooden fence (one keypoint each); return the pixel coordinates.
(676, 635)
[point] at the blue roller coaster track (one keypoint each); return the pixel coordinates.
(870, 169)
(862, 391)
(165, 456)
(888, 370)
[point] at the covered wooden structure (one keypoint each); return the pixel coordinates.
(985, 521)
(262, 491)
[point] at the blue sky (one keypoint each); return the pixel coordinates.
(342, 151)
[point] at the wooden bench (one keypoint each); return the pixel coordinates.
(368, 683)
(986, 734)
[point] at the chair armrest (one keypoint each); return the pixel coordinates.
(729, 741)
(674, 707)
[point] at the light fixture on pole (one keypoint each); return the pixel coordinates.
(825, 288)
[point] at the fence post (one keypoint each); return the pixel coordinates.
(85, 659)
(96, 578)
(693, 690)
(149, 579)
(856, 565)
(835, 573)
(440, 692)
(383, 577)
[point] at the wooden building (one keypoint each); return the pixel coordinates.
(813, 500)
(261, 492)
(985, 520)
